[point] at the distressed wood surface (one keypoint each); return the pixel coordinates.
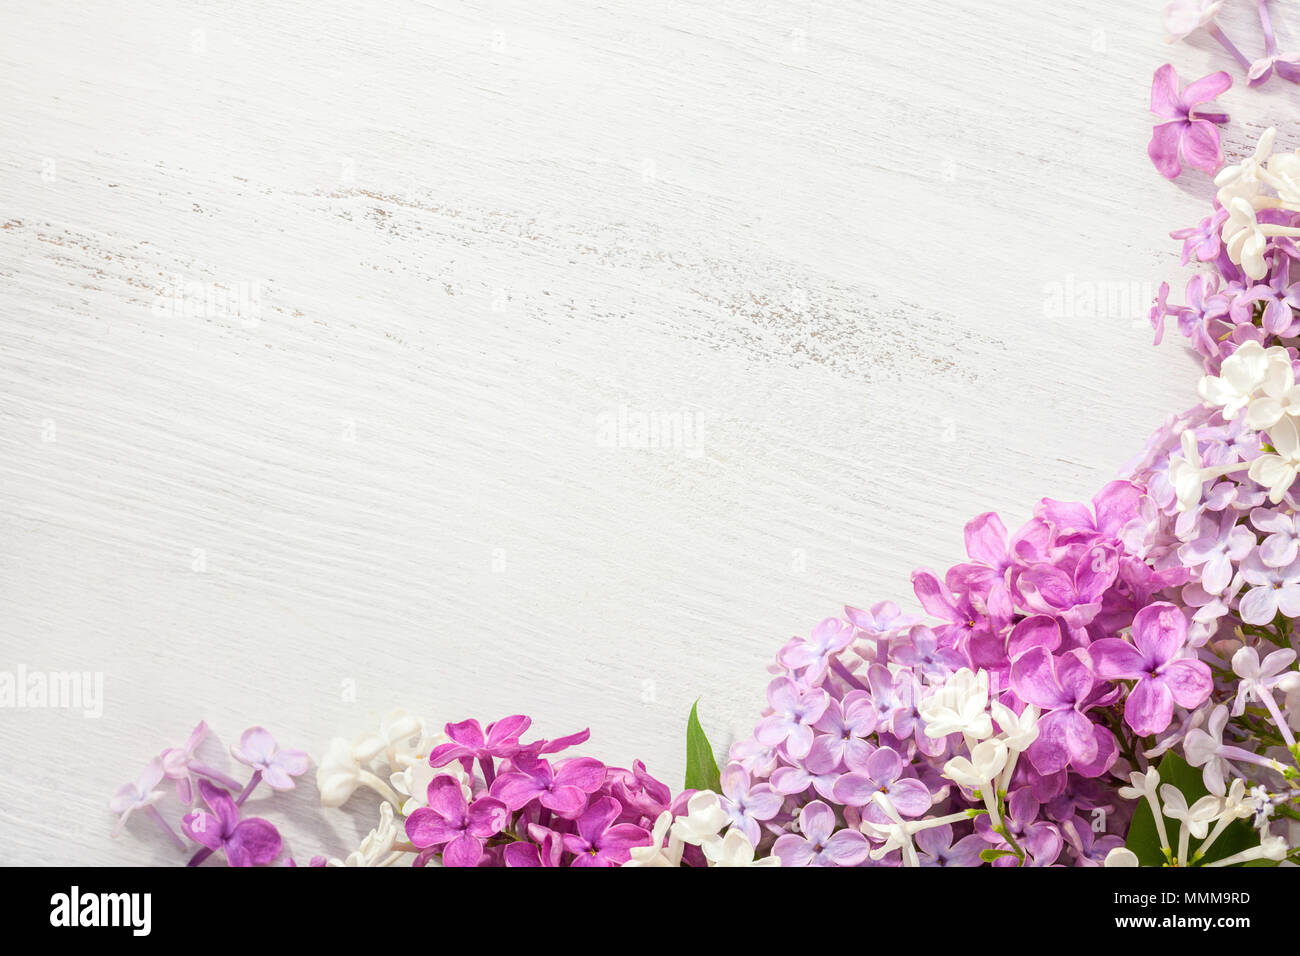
(331, 336)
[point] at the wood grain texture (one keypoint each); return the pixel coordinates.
(821, 240)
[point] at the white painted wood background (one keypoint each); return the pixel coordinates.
(469, 235)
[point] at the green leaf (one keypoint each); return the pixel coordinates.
(1144, 840)
(701, 767)
(989, 855)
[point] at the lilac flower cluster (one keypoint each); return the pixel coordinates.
(1159, 618)
(478, 795)
(219, 826)
(528, 808)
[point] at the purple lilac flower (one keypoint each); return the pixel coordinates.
(882, 773)
(248, 842)
(1281, 297)
(748, 804)
(1064, 690)
(1190, 134)
(453, 827)
(563, 790)
(1272, 590)
(1221, 542)
(846, 725)
(1163, 677)
(258, 749)
(795, 710)
(829, 638)
(935, 847)
(1202, 240)
(601, 842)
(818, 844)
(469, 742)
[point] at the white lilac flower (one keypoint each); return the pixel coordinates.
(665, 850)
(734, 849)
(376, 848)
(1018, 730)
(1270, 848)
(1277, 470)
(1121, 856)
(141, 794)
(1260, 677)
(1277, 395)
(1202, 746)
(960, 705)
(1146, 786)
(397, 740)
(980, 771)
(1195, 819)
(705, 816)
(1241, 375)
(1245, 180)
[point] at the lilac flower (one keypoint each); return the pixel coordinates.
(1190, 133)
(935, 847)
(1184, 17)
(882, 774)
(1220, 543)
(1257, 679)
(747, 804)
(1064, 689)
(795, 710)
(141, 794)
(1282, 298)
(469, 742)
(249, 842)
(1203, 747)
(821, 770)
(925, 656)
(1282, 546)
(894, 697)
(817, 843)
(564, 790)
(640, 794)
(179, 764)
(547, 851)
(847, 723)
(1202, 240)
(883, 618)
(601, 842)
(829, 638)
(258, 749)
(1163, 678)
(1272, 590)
(451, 826)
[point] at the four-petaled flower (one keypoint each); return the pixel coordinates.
(1164, 678)
(451, 826)
(599, 840)
(1191, 133)
(248, 842)
(258, 749)
(818, 843)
